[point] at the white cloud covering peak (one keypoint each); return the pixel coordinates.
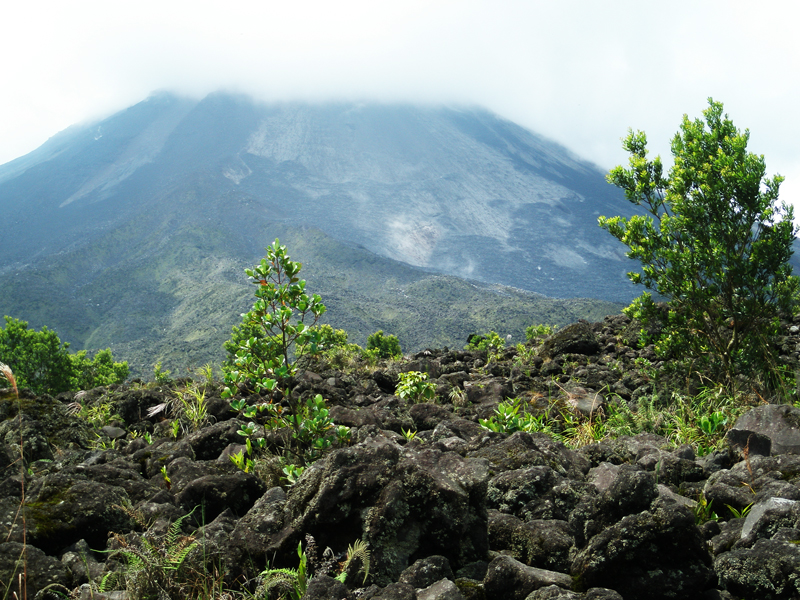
(580, 72)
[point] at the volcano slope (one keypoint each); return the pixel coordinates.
(450, 500)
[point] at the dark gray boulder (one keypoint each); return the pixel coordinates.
(444, 589)
(427, 571)
(544, 544)
(779, 422)
(42, 570)
(513, 492)
(523, 449)
(767, 571)
(64, 510)
(553, 592)
(510, 579)
(623, 490)
(209, 442)
(578, 338)
(323, 587)
(656, 554)
(406, 503)
(396, 591)
(260, 532)
(214, 486)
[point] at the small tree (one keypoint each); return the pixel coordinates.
(279, 322)
(715, 243)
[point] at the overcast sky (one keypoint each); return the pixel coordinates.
(579, 72)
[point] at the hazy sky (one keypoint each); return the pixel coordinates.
(579, 72)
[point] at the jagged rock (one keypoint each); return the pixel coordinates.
(741, 440)
(323, 587)
(544, 544)
(396, 591)
(353, 417)
(133, 405)
(513, 492)
(460, 428)
(117, 472)
(578, 338)
(553, 592)
(209, 442)
(653, 555)
(509, 578)
(444, 589)
(728, 488)
(31, 434)
(714, 462)
(488, 393)
(261, 531)
(62, 510)
(671, 469)
(42, 570)
(427, 571)
(623, 490)
(766, 518)
(404, 503)
(501, 530)
(779, 422)
(603, 594)
(767, 571)
(80, 561)
(235, 491)
(730, 533)
(392, 414)
(428, 416)
(160, 454)
(524, 449)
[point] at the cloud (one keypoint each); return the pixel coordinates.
(579, 72)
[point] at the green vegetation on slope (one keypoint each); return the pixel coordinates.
(174, 296)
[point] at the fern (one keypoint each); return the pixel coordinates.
(290, 582)
(152, 565)
(285, 581)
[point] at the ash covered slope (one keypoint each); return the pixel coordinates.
(461, 192)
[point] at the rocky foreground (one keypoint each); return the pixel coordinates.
(454, 511)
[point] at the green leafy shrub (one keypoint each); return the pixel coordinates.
(329, 338)
(161, 375)
(537, 331)
(101, 370)
(415, 387)
(386, 346)
(490, 341)
(714, 242)
(509, 417)
(276, 323)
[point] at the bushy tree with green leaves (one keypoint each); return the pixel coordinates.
(714, 241)
(385, 346)
(43, 363)
(97, 371)
(279, 324)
